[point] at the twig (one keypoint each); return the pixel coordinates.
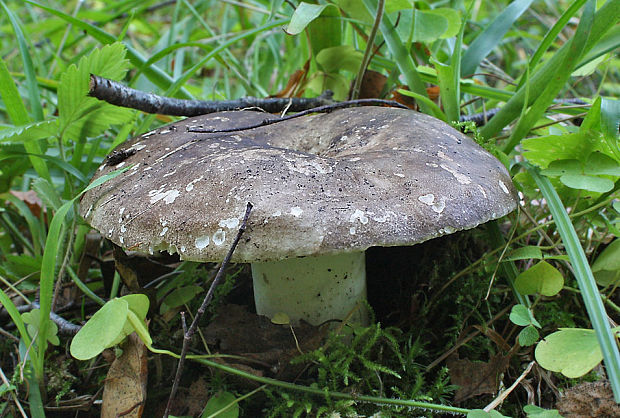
(117, 94)
(505, 393)
(208, 297)
(367, 53)
(7, 386)
(64, 327)
(320, 109)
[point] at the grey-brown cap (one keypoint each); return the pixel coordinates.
(320, 184)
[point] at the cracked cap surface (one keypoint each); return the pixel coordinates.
(320, 184)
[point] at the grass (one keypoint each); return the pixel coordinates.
(523, 57)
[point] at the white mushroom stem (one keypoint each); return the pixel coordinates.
(315, 289)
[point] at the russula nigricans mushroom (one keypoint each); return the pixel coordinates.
(325, 187)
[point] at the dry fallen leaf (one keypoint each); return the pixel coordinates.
(476, 378)
(588, 399)
(373, 83)
(31, 199)
(266, 345)
(125, 386)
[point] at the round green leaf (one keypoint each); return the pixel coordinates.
(138, 303)
(528, 336)
(584, 182)
(609, 258)
(570, 351)
(561, 167)
(520, 315)
(179, 297)
(303, 15)
(101, 330)
(524, 253)
(541, 278)
(343, 57)
(222, 405)
(599, 163)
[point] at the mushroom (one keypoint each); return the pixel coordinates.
(325, 187)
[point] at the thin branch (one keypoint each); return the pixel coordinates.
(326, 109)
(120, 95)
(64, 327)
(208, 297)
(505, 393)
(367, 53)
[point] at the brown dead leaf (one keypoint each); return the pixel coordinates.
(476, 378)
(266, 345)
(125, 386)
(295, 82)
(196, 397)
(31, 199)
(404, 100)
(433, 93)
(373, 83)
(588, 399)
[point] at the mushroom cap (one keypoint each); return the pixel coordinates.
(320, 184)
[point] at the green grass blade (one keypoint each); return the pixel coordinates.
(449, 77)
(83, 287)
(562, 74)
(158, 77)
(48, 265)
(435, 110)
(604, 19)
(16, 317)
(33, 87)
(585, 279)
(15, 106)
(552, 34)
(491, 36)
(10, 96)
(200, 64)
(609, 42)
(400, 55)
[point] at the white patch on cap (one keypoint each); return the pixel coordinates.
(482, 191)
(441, 154)
(461, 178)
(123, 229)
(427, 199)
(503, 186)
(380, 219)
(296, 211)
(139, 145)
(201, 242)
(399, 175)
(169, 174)
(439, 206)
(276, 214)
(352, 230)
(163, 231)
(190, 185)
(359, 215)
(229, 223)
(219, 237)
(168, 196)
(119, 165)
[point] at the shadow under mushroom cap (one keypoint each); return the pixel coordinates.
(320, 184)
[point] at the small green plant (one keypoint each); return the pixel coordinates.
(110, 325)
